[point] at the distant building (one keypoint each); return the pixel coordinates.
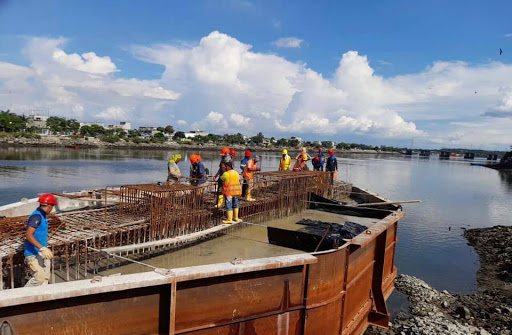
(124, 125)
(194, 133)
(38, 121)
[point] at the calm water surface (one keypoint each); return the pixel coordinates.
(454, 195)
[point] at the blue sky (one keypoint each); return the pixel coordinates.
(401, 41)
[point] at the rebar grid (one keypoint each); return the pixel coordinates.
(151, 212)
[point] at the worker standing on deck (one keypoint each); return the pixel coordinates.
(321, 158)
(225, 157)
(173, 171)
(243, 163)
(285, 163)
(231, 190)
(303, 152)
(37, 254)
(301, 164)
(197, 170)
(316, 163)
(332, 165)
(248, 174)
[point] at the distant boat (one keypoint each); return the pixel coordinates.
(455, 155)
(74, 147)
(477, 164)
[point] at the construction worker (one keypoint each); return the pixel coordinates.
(303, 152)
(321, 158)
(301, 164)
(286, 161)
(316, 163)
(173, 171)
(224, 157)
(231, 189)
(248, 174)
(197, 170)
(37, 254)
(332, 165)
(243, 163)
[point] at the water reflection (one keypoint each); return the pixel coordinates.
(506, 180)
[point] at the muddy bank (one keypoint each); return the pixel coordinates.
(489, 311)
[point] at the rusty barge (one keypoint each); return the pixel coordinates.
(270, 278)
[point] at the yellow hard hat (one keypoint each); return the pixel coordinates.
(176, 157)
(285, 152)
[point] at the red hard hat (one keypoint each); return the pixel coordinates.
(331, 152)
(48, 199)
(224, 151)
(232, 152)
(316, 159)
(247, 153)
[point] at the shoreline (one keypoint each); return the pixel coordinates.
(62, 142)
(488, 311)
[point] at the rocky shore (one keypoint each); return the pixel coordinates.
(489, 311)
(62, 141)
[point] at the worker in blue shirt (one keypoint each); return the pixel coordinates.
(321, 158)
(37, 254)
(243, 163)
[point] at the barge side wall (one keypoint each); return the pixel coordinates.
(338, 291)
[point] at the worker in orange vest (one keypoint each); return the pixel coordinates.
(301, 164)
(286, 161)
(248, 174)
(231, 189)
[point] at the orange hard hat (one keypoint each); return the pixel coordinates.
(232, 152)
(320, 149)
(199, 158)
(224, 151)
(47, 199)
(193, 158)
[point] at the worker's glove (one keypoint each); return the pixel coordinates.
(46, 253)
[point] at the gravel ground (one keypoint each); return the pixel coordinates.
(489, 311)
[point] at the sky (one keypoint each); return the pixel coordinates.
(406, 73)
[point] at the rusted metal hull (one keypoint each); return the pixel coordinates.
(339, 291)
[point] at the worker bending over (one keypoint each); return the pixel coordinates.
(173, 171)
(231, 189)
(332, 165)
(248, 174)
(224, 157)
(301, 164)
(243, 163)
(316, 163)
(286, 161)
(197, 170)
(37, 254)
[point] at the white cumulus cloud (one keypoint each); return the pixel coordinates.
(239, 120)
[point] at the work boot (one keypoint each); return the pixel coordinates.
(220, 201)
(235, 215)
(229, 220)
(249, 198)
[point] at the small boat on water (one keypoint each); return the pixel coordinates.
(74, 147)
(311, 257)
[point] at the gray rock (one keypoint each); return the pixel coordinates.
(445, 304)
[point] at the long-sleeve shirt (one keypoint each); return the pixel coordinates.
(332, 164)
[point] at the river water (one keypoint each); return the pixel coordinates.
(454, 195)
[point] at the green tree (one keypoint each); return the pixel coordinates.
(57, 124)
(327, 144)
(11, 122)
(282, 142)
(73, 125)
(294, 143)
(169, 130)
(179, 135)
(258, 139)
(160, 129)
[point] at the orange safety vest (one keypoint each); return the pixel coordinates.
(231, 185)
(249, 169)
(299, 165)
(285, 163)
